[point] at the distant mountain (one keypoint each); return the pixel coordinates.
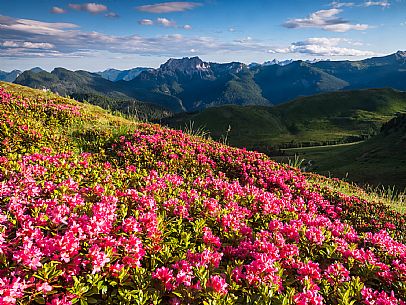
(91, 87)
(197, 84)
(66, 82)
(277, 62)
(37, 70)
(12, 76)
(127, 75)
(253, 65)
(376, 72)
(190, 84)
(9, 76)
(281, 83)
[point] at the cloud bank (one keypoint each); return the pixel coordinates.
(93, 8)
(326, 20)
(168, 7)
(322, 46)
(31, 38)
(58, 10)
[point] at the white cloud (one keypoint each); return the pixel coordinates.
(146, 22)
(165, 22)
(111, 15)
(177, 36)
(384, 4)
(8, 25)
(346, 27)
(322, 46)
(338, 4)
(247, 39)
(67, 40)
(26, 44)
(37, 45)
(93, 8)
(9, 44)
(168, 7)
(326, 20)
(58, 10)
(25, 38)
(403, 23)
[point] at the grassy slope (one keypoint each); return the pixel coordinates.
(379, 160)
(78, 135)
(74, 134)
(316, 119)
(138, 167)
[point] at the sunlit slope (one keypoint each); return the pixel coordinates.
(151, 215)
(327, 118)
(379, 160)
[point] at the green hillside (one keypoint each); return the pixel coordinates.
(64, 125)
(327, 118)
(96, 209)
(379, 160)
(94, 89)
(65, 82)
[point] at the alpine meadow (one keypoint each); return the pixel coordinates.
(203, 152)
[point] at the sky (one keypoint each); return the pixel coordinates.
(124, 34)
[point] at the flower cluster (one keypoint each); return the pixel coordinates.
(163, 217)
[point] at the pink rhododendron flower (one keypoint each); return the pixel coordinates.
(218, 284)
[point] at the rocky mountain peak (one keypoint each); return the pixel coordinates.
(401, 56)
(186, 65)
(401, 53)
(278, 62)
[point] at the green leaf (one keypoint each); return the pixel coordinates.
(91, 300)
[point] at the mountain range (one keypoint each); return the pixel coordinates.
(190, 84)
(9, 76)
(127, 75)
(12, 75)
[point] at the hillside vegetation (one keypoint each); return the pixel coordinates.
(328, 118)
(92, 88)
(96, 209)
(379, 160)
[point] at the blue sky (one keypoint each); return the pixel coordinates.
(129, 33)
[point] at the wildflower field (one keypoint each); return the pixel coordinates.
(95, 209)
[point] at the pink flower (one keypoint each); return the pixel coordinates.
(315, 235)
(336, 273)
(11, 289)
(44, 287)
(130, 225)
(165, 275)
(373, 297)
(308, 297)
(60, 300)
(310, 270)
(209, 238)
(218, 284)
(98, 258)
